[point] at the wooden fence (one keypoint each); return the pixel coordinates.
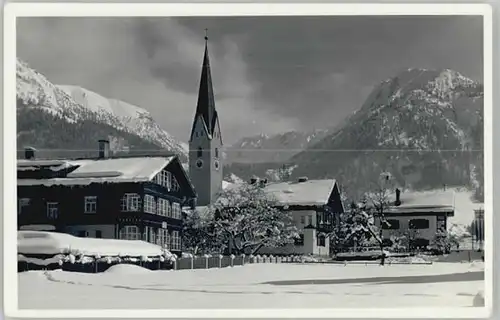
(220, 261)
(96, 265)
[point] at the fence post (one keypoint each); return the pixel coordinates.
(252, 258)
(271, 258)
(96, 261)
(192, 262)
(206, 260)
(162, 259)
(220, 260)
(242, 259)
(232, 260)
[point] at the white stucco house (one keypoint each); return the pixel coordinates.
(418, 214)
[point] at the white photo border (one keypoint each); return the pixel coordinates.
(14, 10)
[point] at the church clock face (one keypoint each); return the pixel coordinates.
(199, 163)
(216, 164)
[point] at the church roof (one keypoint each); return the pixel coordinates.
(205, 106)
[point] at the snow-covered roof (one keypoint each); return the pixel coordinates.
(42, 242)
(425, 201)
(310, 192)
(133, 169)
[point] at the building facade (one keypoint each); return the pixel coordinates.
(419, 216)
(315, 206)
(205, 141)
(134, 198)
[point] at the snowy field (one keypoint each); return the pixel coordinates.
(256, 286)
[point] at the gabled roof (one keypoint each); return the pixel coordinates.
(424, 201)
(310, 192)
(130, 169)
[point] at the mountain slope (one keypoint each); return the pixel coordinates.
(133, 118)
(424, 126)
(274, 148)
(74, 105)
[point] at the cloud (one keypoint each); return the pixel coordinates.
(152, 63)
(270, 74)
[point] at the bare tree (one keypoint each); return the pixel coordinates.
(380, 201)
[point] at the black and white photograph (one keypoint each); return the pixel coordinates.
(295, 162)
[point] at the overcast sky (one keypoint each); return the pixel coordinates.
(271, 74)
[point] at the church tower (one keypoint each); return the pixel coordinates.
(205, 142)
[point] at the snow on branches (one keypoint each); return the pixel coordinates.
(243, 219)
(250, 219)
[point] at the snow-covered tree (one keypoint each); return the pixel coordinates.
(442, 242)
(357, 229)
(249, 219)
(284, 173)
(199, 235)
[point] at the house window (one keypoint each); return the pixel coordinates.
(162, 237)
(167, 244)
(22, 204)
(90, 204)
(200, 152)
(169, 209)
(176, 241)
(98, 234)
(300, 240)
(162, 207)
(130, 233)
(52, 210)
(216, 152)
(152, 236)
(164, 178)
(392, 224)
(419, 224)
(321, 240)
(149, 204)
(303, 219)
(131, 202)
(83, 233)
(176, 210)
(175, 185)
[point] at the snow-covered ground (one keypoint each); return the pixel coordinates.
(250, 286)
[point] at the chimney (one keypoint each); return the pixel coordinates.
(398, 197)
(29, 153)
(303, 179)
(103, 149)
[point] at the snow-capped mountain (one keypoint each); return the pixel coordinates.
(272, 148)
(423, 126)
(75, 104)
(132, 118)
